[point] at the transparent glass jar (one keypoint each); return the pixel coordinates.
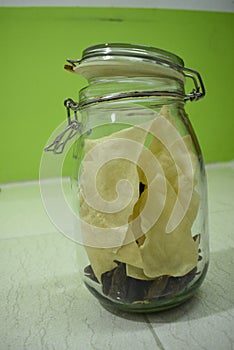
(139, 183)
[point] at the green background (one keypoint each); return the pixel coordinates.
(36, 41)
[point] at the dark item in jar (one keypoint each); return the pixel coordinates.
(120, 287)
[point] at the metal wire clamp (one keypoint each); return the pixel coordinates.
(73, 128)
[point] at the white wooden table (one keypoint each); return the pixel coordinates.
(44, 305)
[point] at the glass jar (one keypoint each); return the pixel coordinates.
(138, 181)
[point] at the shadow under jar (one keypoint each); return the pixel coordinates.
(138, 179)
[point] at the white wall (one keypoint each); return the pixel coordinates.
(206, 5)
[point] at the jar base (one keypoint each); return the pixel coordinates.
(148, 306)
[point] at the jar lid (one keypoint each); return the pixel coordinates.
(118, 59)
(130, 50)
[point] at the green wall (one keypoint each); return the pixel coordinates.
(36, 41)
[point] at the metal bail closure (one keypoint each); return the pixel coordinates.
(199, 88)
(73, 127)
(197, 93)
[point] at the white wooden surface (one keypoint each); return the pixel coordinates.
(44, 305)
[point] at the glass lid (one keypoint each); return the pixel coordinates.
(140, 51)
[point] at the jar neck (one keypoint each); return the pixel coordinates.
(101, 87)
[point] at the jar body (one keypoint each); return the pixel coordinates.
(140, 194)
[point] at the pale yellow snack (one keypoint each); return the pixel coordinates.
(172, 254)
(161, 253)
(130, 254)
(166, 113)
(135, 272)
(152, 252)
(175, 253)
(102, 260)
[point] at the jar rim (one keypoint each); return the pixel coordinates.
(131, 50)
